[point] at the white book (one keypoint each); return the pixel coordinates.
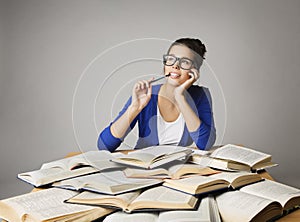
(207, 211)
(48, 205)
(238, 206)
(157, 198)
(173, 170)
(260, 201)
(233, 157)
(113, 182)
(204, 184)
(155, 156)
(287, 196)
(85, 163)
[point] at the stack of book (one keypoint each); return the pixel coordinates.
(161, 183)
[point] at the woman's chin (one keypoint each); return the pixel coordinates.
(173, 82)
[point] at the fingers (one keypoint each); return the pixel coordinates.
(143, 84)
(149, 91)
(194, 74)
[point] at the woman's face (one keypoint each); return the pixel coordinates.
(177, 74)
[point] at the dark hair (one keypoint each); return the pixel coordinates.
(194, 44)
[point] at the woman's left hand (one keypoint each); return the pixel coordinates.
(194, 76)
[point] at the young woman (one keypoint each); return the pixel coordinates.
(176, 112)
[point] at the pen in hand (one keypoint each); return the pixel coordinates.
(155, 80)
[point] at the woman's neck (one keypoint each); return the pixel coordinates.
(167, 91)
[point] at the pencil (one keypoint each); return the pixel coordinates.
(155, 80)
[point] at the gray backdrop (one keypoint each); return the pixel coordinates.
(48, 46)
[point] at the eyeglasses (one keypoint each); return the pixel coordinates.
(184, 63)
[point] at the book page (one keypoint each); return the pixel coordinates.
(113, 182)
(120, 200)
(202, 214)
(99, 159)
(240, 154)
(213, 209)
(146, 155)
(145, 158)
(162, 198)
(50, 175)
(163, 149)
(46, 204)
(143, 173)
(89, 158)
(181, 170)
(195, 184)
(272, 190)
(62, 163)
(92, 161)
(211, 162)
(134, 217)
(154, 156)
(237, 206)
(232, 176)
(38, 175)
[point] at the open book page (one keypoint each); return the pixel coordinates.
(162, 198)
(237, 206)
(151, 157)
(240, 154)
(196, 184)
(120, 200)
(237, 179)
(90, 162)
(46, 204)
(184, 170)
(275, 191)
(207, 211)
(49, 175)
(159, 173)
(114, 182)
(175, 170)
(133, 217)
(163, 150)
(210, 162)
(90, 158)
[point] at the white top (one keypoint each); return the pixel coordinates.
(169, 132)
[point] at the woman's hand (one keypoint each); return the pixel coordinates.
(141, 94)
(179, 91)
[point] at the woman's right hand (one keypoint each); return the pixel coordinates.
(141, 94)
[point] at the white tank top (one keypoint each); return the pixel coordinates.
(169, 132)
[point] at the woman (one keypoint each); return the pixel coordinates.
(176, 112)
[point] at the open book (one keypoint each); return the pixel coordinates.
(204, 184)
(157, 198)
(48, 205)
(114, 182)
(154, 156)
(173, 171)
(206, 211)
(233, 157)
(86, 163)
(287, 196)
(237, 206)
(260, 201)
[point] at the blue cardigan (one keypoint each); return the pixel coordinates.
(200, 101)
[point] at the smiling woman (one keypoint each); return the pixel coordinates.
(176, 112)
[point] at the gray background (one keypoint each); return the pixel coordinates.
(253, 49)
